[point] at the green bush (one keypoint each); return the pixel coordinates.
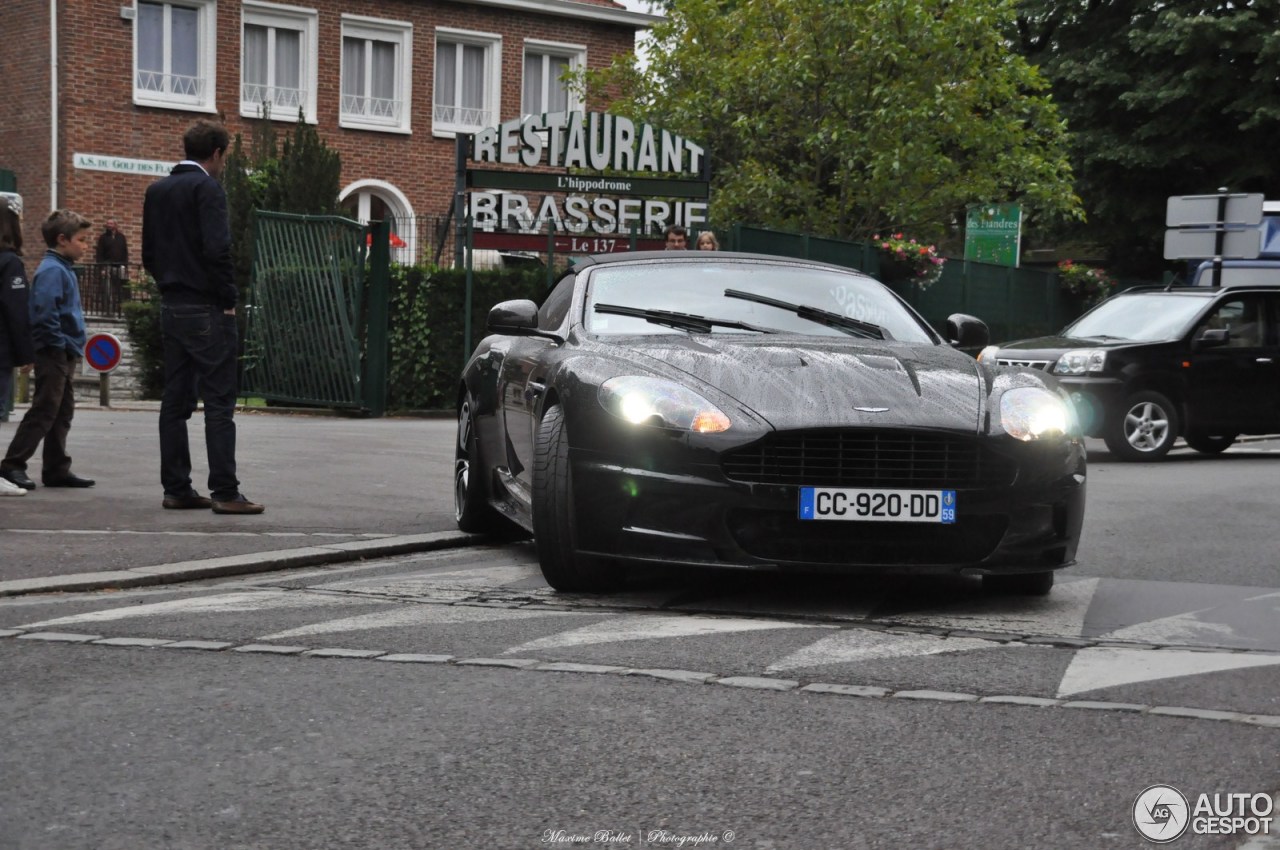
(142, 318)
(427, 327)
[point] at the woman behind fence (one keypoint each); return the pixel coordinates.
(15, 330)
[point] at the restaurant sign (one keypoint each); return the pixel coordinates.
(613, 177)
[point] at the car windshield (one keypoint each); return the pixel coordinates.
(1145, 317)
(715, 291)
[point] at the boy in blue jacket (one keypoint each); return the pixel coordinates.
(57, 331)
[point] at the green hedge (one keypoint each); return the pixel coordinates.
(427, 327)
(142, 318)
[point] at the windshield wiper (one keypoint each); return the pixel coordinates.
(854, 327)
(683, 321)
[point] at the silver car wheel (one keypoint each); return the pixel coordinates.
(1146, 426)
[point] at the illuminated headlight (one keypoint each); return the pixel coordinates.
(653, 401)
(1081, 362)
(1030, 413)
(988, 354)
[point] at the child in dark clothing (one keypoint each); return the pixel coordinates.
(15, 336)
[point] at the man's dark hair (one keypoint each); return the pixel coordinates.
(203, 139)
(677, 229)
(10, 228)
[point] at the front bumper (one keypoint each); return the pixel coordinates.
(1095, 399)
(691, 513)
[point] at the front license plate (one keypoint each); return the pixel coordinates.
(851, 504)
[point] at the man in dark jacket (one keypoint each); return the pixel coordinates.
(112, 251)
(112, 246)
(186, 246)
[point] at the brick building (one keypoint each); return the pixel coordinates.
(98, 94)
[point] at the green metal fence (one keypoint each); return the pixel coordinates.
(315, 329)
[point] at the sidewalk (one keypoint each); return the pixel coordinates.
(335, 489)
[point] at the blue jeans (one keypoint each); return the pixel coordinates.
(200, 347)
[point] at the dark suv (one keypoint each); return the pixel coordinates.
(1154, 363)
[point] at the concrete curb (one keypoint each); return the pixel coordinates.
(256, 562)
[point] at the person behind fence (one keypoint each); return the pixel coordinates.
(186, 246)
(15, 333)
(675, 238)
(58, 336)
(113, 252)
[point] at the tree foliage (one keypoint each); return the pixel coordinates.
(1174, 98)
(850, 118)
(301, 176)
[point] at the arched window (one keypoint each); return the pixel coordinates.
(377, 200)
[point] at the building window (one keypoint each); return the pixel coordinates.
(376, 73)
(376, 200)
(544, 66)
(467, 85)
(174, 55)
(278, 62)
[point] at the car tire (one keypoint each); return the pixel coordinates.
(1143, 428)
(1209, 444)
(1019, 584)
(471, 509)
(554, 520)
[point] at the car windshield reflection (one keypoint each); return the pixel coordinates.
(699, 289)
(1140, 318)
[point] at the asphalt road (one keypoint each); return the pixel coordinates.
(1191, 518)
(116, 748)
(796, 713)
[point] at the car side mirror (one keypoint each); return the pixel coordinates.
(964, 331)
(1212, 338)
(517, 317)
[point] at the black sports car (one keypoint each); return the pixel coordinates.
(718, 409)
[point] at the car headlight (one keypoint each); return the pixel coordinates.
(1030, 413)
(654, 401)
(1081, 362)
(988, 354)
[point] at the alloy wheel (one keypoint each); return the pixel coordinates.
(1146, 426)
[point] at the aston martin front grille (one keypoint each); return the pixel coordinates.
(869, 458)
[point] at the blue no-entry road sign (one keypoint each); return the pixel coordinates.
(102, 352)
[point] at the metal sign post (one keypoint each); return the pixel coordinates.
(102, 353)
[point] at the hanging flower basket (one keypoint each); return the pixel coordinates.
(1092, 284)
(904, 260)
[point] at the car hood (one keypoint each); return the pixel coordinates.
(837, 383)
(1052, 347)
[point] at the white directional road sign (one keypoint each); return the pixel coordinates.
(1203, 226)
(1202, 210)
(1201, 244)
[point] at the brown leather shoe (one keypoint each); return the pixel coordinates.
(239, 505)
(191, 501)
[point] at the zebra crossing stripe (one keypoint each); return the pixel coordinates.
(648, 627)
(1108, 667)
